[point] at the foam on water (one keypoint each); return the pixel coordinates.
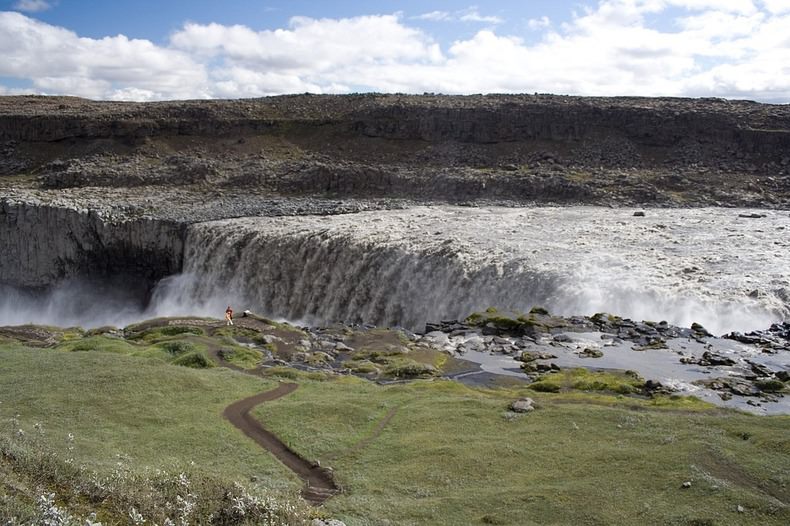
(406, 267)
(410, 266)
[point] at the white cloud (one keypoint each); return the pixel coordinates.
(435, 16)
(744, 7)
(470, 14)
(59, 61)
(32, 6)
(729, 48)
(309, 45)
(5, 90)
(776, 6)
(538, 23)
(473, 15)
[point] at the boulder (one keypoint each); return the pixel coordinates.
(708, 358)
(522, 405)
(531, 356)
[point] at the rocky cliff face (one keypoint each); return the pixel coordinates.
(77, 176)
(44, 244)
(659, 128)
(667, 152)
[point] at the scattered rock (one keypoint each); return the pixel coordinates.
(709, 358)
(522, 405)
(531, 356)
(700, 330)
(591, 353)
(752, 216)
(653, 387)
(759, 369)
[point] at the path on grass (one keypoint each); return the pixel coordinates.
(319, 482)
(320, 485)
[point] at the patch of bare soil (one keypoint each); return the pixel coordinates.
(320, 484)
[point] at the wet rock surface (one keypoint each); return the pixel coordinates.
(730, 374)
(689, 361)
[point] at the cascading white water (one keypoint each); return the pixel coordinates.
(429, 263)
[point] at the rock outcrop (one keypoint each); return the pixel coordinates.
(110, 187)
(44, 244)
(521, 147)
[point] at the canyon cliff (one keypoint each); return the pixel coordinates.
(100, 188)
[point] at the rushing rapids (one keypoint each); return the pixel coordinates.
(710, 266)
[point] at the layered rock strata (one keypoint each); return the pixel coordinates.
(42, 245)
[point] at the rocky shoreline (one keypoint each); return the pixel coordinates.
(601, 353)
(745, 371)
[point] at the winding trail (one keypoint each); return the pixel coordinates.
(320, 484)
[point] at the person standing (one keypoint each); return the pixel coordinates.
(229, 316)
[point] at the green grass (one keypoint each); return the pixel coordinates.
(590, 453)
(585, 380)
(453, 455)
(153, 413)
(175, 349)
(158, 333)
(243, 357)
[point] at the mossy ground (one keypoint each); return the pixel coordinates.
(153, 413)
(580, 379)
(536, 320)
(455, 455)
(449, 454)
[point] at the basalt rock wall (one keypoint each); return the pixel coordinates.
(740, 128)
(43, 244)
(647, 127)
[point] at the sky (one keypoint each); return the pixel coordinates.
(187, 49)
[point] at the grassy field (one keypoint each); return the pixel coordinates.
(454, 455)
(134, 413)
(425, 452)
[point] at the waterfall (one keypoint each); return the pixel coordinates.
(326, 276)
(403, 268)
(407, 267)
(78, 301)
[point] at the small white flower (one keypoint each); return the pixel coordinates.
(136, 517)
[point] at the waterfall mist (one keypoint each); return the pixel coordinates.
(77, 302)
(403, 268)
(408, 267)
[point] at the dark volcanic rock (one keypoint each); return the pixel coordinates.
(457, 148)
(776, 337)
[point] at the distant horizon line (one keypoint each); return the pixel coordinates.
(401, 94)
